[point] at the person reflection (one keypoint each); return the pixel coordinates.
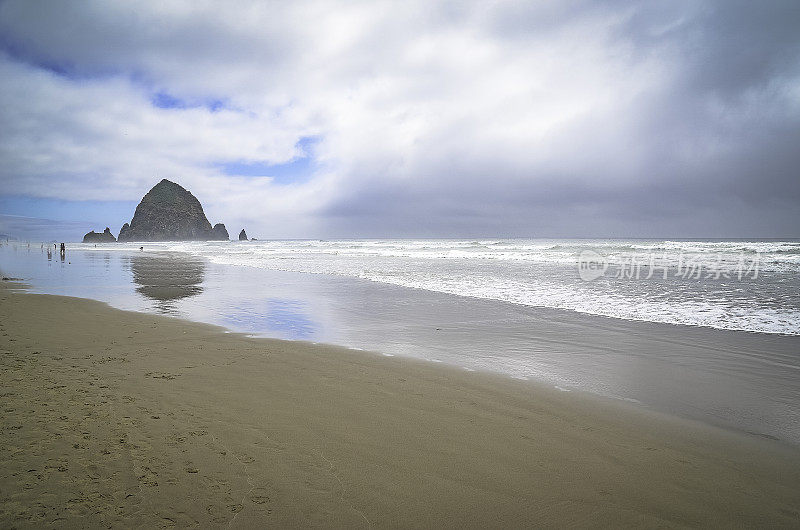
(167, 279)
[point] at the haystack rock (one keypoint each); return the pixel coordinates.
(105, 237)
(242, 235)
(170, 213)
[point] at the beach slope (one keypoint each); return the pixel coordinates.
(112, 418)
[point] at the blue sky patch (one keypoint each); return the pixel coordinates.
(293, 172)
(39, 218)
(164, 100)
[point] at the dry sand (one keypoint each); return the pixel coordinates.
(112, 418)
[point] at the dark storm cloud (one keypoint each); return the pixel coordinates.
(712, 149)
(574, 118)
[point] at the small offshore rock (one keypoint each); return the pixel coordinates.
(105, 237)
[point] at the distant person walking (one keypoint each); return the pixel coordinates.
(63, 250)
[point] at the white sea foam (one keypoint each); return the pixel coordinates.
(543, 273)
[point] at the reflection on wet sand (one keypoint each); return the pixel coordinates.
(284, 318)
(167, 279)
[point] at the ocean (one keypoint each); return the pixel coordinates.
(703, 329)
(739, 285)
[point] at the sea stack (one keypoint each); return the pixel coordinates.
(105, 237)
(242, 235)
(219, 232)
(168, 212)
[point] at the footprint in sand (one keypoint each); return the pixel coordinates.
(244, 458)
(162, 375)
(259, 496)
(218, 514)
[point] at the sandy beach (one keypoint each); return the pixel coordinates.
(114, 418)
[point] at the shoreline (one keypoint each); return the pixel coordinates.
(159, 248)
(122, 418)
(722, 377)
(549, 316)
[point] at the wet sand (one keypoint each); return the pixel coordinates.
(732, 379)
(113, 418)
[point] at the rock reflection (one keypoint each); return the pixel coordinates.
(165, 280)
(98, 259)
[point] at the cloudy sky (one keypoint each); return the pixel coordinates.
(405, 119)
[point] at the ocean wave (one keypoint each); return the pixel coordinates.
(543, 273)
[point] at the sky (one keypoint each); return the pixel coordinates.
(326, 119)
